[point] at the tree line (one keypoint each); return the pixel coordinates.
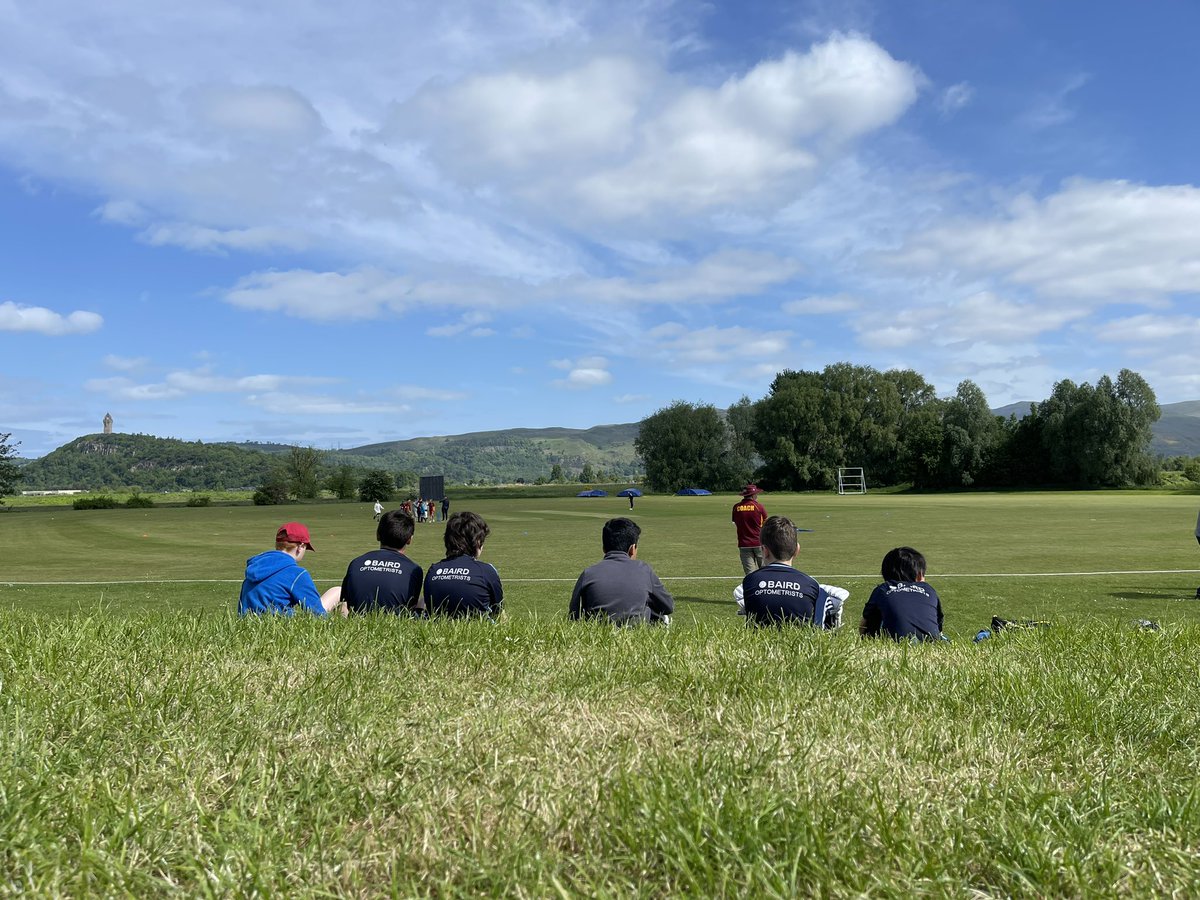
(895, 426)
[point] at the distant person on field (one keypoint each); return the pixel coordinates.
(386, 580)
(779, 592)
(460, 585)
(748, 517)
(276, 583)
(621, 588)
(904, 606)
(445, 509)
(378, 510)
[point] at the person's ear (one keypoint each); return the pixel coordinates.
(633, 551)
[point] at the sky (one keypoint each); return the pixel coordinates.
(341, 224)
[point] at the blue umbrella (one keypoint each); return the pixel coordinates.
(630, 492)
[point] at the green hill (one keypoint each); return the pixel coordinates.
(509, 455)
(113, 461)
(1177, 433)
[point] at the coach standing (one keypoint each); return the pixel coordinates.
(748, 518)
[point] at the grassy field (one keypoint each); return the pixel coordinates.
(156, 745)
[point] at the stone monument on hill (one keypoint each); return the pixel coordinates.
(108, 423)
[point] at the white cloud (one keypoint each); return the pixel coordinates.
(278, 113)
(982, 320)
(16, 317)
(125, 363)
(713, 346)
(193, 237)
(324, 296)
(955, 98)
(291, 403)
(122, 212)
(584, 373)
(822, 306)
(182, 383)
(472, 324)
(522, 119)
(1099, 242)
(421, 392)
(1152, 329)
(741, 144)
(127, 389)
(1052, 108)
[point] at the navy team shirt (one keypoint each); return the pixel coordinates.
(904, 609)
(463, 586)
(780, 593)
(384, 580)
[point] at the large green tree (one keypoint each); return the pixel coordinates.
(812, 423)
(970, 436)
(1098, 436)
(376, 484)
(343, 481)
(686, 445)
(303, 472)
(9, 474)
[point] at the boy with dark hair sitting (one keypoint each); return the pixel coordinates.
(621, 588)
(779, 592)
(460, 585)
(386, 579)
(904, 606)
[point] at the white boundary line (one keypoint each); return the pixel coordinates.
(937, 576)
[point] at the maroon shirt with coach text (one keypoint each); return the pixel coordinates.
(748, 516)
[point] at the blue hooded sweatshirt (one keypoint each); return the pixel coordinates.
(276, 583)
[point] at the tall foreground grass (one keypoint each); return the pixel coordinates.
(198, 754)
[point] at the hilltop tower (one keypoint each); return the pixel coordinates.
(108, 423)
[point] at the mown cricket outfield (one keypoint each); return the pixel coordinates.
(155, 744)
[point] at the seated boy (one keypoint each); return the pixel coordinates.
(276, 583)
(621, 588)
(778, 592)
(461, 585)
(385, 579)
(904, 606)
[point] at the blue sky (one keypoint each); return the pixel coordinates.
(338, 224)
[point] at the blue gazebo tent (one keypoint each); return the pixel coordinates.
(595, 492)
(692, 492)
(630, 492)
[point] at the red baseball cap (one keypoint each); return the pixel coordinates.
(296, 533)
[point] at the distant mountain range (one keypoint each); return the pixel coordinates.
(111, 461)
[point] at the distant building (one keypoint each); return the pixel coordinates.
(108, 423)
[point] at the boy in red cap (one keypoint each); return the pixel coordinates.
(276, 583)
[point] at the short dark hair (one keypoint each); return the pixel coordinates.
(620, 534)
(903, 564)
(465, 534)
(395, 529)
(779, 537)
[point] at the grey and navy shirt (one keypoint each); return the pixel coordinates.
(621, 589)
(779, 593)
